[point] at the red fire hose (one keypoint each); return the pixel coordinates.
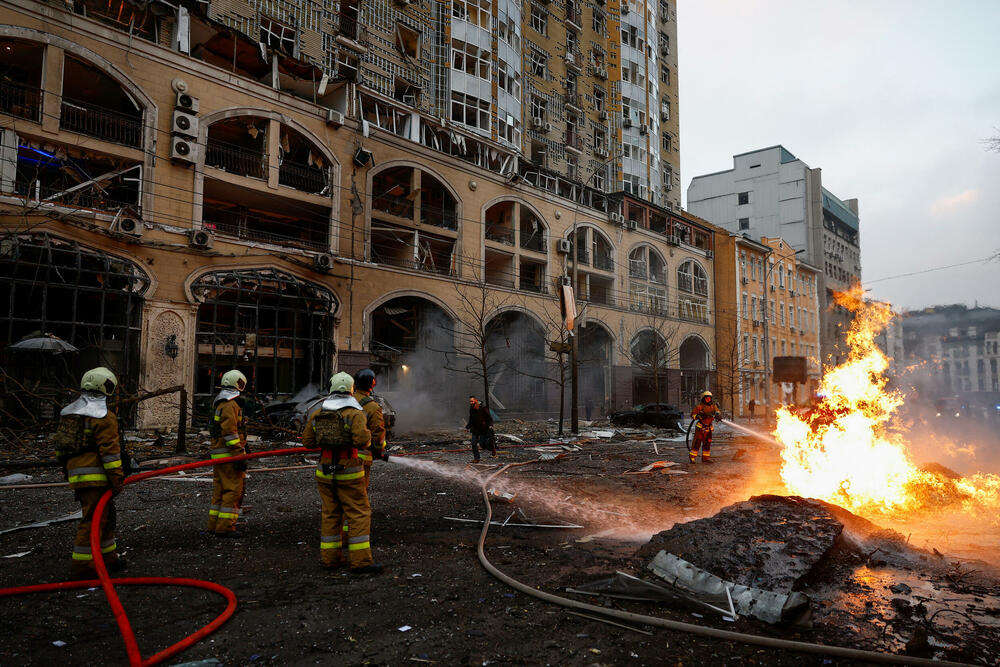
(108, 584)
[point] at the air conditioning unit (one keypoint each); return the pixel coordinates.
(184, 123)
(627, 123)
(183, 149)
(746, 281)
(673, 239)
(570, 57)
(601, 73)
(564, 246)
(631, 224)
(664, 115)
(537, 123)
(565, 281)
(603, 115)
(185, 102)
(664, 49)
(709, 254)
(601, 150)
(323, 261)
(547, 127)
(334, 117)
(200, 238)
(643, 129)
(617, 218)
(128, 224)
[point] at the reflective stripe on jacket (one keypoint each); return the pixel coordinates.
(229, 418)
(103, 466)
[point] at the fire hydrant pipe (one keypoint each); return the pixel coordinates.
(703, 631)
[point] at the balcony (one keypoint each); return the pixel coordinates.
(304, 177)
(574, 141)
(236, 160)
(349, 25)
(572, 99)
(604, 262)
(20, 101)
(503, 235)
(94, 121)
(574, 59)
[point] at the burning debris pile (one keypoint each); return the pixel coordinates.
(843, 450)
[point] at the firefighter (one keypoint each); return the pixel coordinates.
(87, 447)
(229, 438)
(364, 385)
(705, 412)
(339, 429)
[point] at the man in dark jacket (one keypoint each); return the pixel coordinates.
(481, 427)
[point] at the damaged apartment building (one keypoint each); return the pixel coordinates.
(290, 188)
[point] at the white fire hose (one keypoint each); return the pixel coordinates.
(642, 619)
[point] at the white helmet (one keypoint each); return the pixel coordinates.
(342, 383)
(234, 379)
(99, 379)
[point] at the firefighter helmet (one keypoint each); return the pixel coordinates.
(706, 393)
(99, 379)
(234, 379)
(341, 383)
(365, 379)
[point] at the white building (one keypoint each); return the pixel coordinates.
(771, 193)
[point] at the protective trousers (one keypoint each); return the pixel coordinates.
(83, 560)
(227, 496)
(345, 502)
(703, 440)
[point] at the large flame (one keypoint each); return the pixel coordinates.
(843, 451)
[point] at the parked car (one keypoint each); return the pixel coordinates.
(293, 414)
(661, 415)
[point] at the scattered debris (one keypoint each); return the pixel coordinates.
(610, 622)
(624, 586)
(16, 478)
(510, 438)
(19, 555)
(405, 628)
(515, 525)
(656, 465)
(42, 524)
(501, 496)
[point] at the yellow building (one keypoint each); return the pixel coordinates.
(185, 189)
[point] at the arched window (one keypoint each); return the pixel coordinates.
(401, 196)
(515, 252)
(692, 285)
(647, 274)
(595, 255)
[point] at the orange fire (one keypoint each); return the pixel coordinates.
(843, 451)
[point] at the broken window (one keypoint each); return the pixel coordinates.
(499, 223)
(260, 216)
(532, 231)
(135, 18)
(275, 328)
(692, 278)
(539, 107)
(278, 35)
(407, 40)
(537, 62)
(471, 59)
(239, 146)
(647, 281)
(21, 78)
(87, 298)
(509, 129)
(599, 98)
(70, 176)
(471, 111)
(539, 19)
(599, 22)
(477, 12)
(301, 165)
(498, 269)
(96, 105)
(515, 345)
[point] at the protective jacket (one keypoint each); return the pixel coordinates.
(229, 437)
(229, 430)
(375, 423)
(705, 414)
(360, 437)
(87, 443)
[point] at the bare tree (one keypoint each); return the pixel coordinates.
(731, 358)
(652, 344)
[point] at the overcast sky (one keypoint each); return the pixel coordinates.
(891, 98)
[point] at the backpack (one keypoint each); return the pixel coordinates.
(333, 432)
(71, 439)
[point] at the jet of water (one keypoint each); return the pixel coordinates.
(758, 434)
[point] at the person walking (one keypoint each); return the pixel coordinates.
(753, 407)
(229, 438)
(364, 385)
(480, 426)
(339, 429)
(705, 413)
(88, 449)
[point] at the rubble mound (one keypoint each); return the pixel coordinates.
(769, 542)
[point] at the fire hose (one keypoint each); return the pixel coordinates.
(107, 584)
(679, 626)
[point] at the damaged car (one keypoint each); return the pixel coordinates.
(660, 415)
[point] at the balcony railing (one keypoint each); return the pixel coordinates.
(582, 255)
(534, 241)
(572, 98)
(349, 26)
(531, 286)
(248, 232)
(401, 207)
(95, 121)
(604, 262)
(20, 101)
(236, 160)
(93, 199)
(304, 177)
(503, 235)
(409, 263)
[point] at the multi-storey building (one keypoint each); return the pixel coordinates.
(289, 188)
(770, 192)
(953, 350)
(766, 307)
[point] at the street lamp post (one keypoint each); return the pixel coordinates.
(574, 348)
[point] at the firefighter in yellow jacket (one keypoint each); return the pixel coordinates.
(339, 429)
(229, 438)
(705, 413)
(87, 447)
(364, 385)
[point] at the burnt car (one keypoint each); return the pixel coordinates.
(293, 414)
(661, 415)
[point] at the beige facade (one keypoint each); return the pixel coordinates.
(244, 225)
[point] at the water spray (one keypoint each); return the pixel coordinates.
(750, 431)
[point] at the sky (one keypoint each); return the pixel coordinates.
(891, 98)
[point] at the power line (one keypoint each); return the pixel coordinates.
(995, 255)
